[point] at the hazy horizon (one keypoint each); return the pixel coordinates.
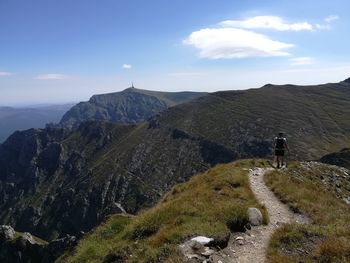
(42, 104)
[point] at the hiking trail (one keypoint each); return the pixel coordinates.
(254, 242)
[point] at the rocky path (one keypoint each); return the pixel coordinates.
(250, 247)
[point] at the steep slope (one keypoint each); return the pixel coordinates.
(314, 118)
(209, 204)
(128, 106)
(341, 158)
(57, 181)
(12, 119)
(217, 201)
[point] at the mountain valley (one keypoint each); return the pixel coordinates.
(67, 180)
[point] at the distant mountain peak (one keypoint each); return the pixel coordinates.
(130, 105)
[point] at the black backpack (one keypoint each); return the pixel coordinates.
(280, 143)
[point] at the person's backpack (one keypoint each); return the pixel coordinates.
(280, 143)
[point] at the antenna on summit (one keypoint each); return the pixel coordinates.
(132, 85)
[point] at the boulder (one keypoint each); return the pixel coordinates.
(255, 216)
(7, 233)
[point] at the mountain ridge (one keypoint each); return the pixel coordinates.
(128, 106)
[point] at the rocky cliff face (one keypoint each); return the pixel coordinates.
(23, 247)
(128, 106)
(56, 181)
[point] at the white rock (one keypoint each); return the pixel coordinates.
(203, 240)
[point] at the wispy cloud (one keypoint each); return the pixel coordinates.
(301, 61)
(278, 23)
(126, 66)
(331, 18)
(267, 22)
(5, 74)
(51, 77)
(178, 74)
(228, 43)
(328, 20)
(323, 26)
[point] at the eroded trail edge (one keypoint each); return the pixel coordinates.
(253, 244)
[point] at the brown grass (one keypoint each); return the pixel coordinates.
(208, 204)
(328, 238)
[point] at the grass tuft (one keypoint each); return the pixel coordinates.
(327, 239)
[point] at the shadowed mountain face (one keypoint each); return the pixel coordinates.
(57, 181)
(341, 158)
(12, 119)
(128, 106)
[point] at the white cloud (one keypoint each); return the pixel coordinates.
(301, 61)
(51, 77)
(226, 43)
(267, 22)
(126, 66)
(331, 18)
(4, 74)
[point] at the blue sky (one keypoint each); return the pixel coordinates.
(64, 51)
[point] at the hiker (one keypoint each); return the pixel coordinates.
(280, 145)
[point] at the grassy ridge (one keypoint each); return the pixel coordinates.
(327, 239)
(315, 119)
(209, 204)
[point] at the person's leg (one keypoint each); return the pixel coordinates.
(278, 161)
(282, 160)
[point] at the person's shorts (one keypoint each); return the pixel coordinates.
(279, 152)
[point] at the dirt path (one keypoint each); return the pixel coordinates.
(250, 247)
